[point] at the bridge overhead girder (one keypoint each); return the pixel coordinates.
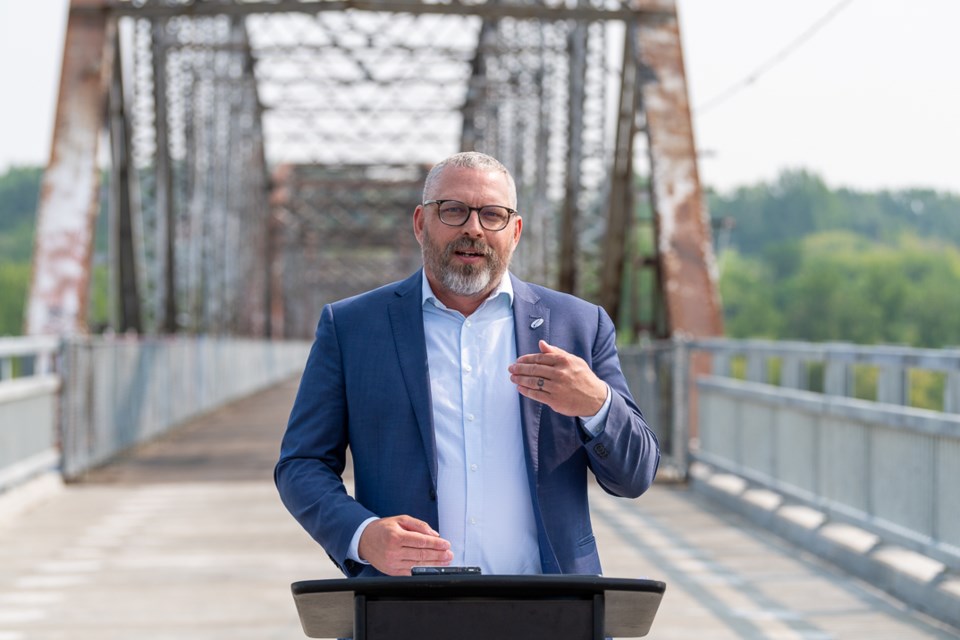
(213, 94)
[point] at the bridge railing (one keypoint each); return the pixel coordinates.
(119, 392)
(782, 415)
(71, 405)
(650, 370)
(28, 404)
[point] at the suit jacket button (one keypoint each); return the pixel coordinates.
(433, 494)
(600, 450)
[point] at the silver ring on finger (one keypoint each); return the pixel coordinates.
(540, 382)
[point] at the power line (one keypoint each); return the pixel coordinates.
(775, 59)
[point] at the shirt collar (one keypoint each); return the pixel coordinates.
(504, 288)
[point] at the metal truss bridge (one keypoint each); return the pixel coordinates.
(264, 157)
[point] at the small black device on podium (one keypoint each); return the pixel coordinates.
(444, 571)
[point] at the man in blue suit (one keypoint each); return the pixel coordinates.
(473, 403)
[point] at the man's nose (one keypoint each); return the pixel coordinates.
(472, 226)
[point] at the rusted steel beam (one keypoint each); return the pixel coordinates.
(69, 196)
(687, 265)
(645, 10)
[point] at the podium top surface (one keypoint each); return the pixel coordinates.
(326, 607)
(540, 584)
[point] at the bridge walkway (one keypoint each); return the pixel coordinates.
(186, 539)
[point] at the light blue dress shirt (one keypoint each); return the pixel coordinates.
(483, 495)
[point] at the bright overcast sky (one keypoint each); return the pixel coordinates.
(867, 101)
(870, 101)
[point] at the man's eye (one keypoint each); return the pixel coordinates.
(454, 209)
(496, 215)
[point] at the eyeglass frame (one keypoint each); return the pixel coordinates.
(439, 203)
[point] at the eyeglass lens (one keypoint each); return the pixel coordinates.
(492, 218)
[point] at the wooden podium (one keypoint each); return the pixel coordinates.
(465, 607)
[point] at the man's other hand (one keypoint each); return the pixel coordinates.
(394, 545)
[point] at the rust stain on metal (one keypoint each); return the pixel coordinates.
(687, 264)
(69, 194)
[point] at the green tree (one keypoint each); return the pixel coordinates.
(14, 281)
(16, 243)
(746, 291)
(813, 263)
(19, 191)
(931, 303)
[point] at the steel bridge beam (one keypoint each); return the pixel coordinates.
(621, 203)
(685, 253)
(122, 202)
(653, 10)
(69, 197)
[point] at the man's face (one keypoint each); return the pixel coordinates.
(468, 260)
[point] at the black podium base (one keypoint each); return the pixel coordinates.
(479, 619)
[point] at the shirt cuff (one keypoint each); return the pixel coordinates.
(353, 553)
(595, 424)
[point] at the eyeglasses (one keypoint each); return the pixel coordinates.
(455, 214)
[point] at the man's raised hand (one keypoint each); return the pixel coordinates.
(560, 380)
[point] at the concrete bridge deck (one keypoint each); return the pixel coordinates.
(186, 539)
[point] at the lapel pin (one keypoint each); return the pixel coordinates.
(536, 323)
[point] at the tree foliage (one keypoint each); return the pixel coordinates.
(809, 263)
(19, 190)
(14, 282)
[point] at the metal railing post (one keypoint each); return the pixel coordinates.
(682, 394)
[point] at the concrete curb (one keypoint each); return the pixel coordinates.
(23, 497)
(920, 582)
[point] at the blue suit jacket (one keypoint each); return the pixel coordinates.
(366, 386)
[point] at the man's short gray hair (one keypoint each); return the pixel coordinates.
(468, 160)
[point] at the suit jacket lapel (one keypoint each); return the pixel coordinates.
(532, 323)
(406, 319)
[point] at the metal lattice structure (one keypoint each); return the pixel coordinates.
(201, 177)
(266, 157)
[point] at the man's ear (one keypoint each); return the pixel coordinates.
(518, 227)
(418, 220)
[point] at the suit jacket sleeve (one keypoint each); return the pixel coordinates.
(313, 453)
(625, 455)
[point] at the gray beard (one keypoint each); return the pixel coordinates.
(463, 280)
(472, 281)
